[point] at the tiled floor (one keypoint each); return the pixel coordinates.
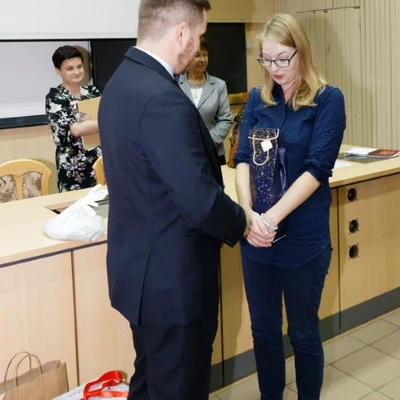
(362, 364)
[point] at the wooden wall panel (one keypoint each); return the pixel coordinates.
(336, 50)
(378, 72)
(343, 66)
(362, 58)
(395, 67)
(255, 73)
(241, 10)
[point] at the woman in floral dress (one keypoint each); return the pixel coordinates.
(74, 163)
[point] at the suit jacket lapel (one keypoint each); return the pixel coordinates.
(208, 88)
(208, 143)
(184, 85)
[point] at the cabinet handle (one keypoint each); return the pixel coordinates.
(353, 251)
(352, 194)
(353, 226)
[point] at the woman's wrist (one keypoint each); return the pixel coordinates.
(247, 210)
(269, 224)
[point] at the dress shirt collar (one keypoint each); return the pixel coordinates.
(160, 60)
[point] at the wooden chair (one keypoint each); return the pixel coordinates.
(24, 178)
(238, 98)
(99, 171)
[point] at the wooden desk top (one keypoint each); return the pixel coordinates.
(22, 236)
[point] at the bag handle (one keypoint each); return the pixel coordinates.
(111, 378)
(254, 139)
(26, 355)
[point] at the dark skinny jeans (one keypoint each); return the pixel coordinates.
(301, 288)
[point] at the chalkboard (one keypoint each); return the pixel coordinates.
(227, 55)
(106, 56)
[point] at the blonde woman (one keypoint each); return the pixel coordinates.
(309, 117)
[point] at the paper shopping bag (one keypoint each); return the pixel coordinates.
(44, 382)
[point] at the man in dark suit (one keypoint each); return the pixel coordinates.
(168, 212)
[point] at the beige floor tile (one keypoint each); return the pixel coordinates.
(389, 345)
(375, 396)
(341, 347)
(370, 366)
(392, 389)
(246, 390)
(394, 318)
(213, 398)
(289, 395)
(373, 332)
(290, 371)
(338, 385)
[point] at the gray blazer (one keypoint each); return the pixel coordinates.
(213, 107)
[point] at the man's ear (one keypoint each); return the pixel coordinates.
(182, 33)
(58, 72)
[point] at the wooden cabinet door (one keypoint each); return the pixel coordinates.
(369, 257)
(104, 336)
(237, 336)
(330, 295)
(37, 312)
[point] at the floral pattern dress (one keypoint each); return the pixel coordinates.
(74, 163)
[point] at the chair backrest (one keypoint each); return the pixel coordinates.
(238, 98)
(99, 171)
(22, 179)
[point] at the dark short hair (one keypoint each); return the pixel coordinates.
(156, 16)
(65, 53)
(204, 45)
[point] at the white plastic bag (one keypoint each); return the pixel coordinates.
(108, 385)
(77, 393)
(79, 221)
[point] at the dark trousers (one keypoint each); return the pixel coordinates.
(301, 288)
(173, 362)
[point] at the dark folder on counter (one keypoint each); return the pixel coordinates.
(90, 107)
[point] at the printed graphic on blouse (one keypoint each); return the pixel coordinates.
(74, 163)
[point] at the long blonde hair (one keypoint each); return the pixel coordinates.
(286, 30)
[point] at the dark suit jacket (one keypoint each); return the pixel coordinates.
(168, 212)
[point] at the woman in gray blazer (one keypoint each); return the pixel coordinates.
(209, 94)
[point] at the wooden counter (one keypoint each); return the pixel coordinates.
(54, 293)
(22, 235)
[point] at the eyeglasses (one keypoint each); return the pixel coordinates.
(279, 62)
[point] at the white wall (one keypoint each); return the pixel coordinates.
(27, 73)
(52, 19)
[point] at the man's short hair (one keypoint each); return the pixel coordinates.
(157, 16)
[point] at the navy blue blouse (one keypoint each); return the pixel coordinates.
(313, 136)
